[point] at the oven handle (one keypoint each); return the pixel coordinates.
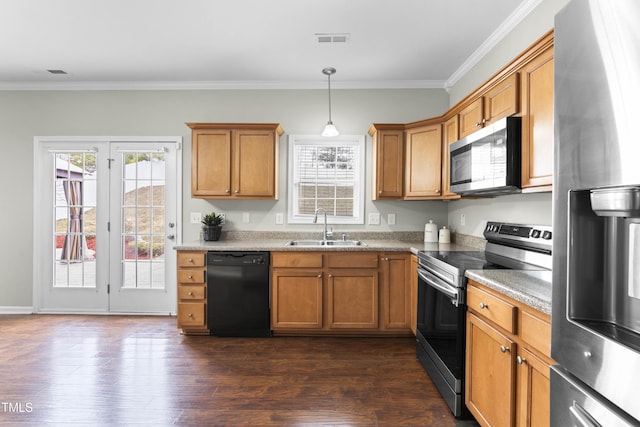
(450, 291)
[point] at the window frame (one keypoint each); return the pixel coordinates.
(359, 181)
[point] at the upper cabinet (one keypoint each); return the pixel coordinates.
(234, 161)
(423, 163)
(450, 134)
(499, 101)
(537, 122)
(388, 161)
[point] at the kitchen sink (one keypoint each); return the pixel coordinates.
(328, 243)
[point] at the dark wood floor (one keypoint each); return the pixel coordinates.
(122, 370)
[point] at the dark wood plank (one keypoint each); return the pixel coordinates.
(119, 370)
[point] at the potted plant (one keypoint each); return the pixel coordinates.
(211, 226)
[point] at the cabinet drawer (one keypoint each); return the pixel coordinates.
(191, 292)
(296, 259)
(191, 259)
(191, 314)
(191, 275)
(492, 308)
(536, 332)
(352, 260)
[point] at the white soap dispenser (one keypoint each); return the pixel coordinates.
(431, 232)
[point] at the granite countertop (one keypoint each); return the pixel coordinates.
(402, 241)
(280, 245)
(531, 287)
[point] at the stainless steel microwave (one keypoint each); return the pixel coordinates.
(487, 162)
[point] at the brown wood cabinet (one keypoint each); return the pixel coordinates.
(388, 161)
(395, 276)
(507, 360)
(450, 135)
(423, 163)
(500, 100)
(537, 122)
(329, 292)
(234, 161)
(192, 292)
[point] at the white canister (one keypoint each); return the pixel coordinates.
(444, 236)
(431, 232)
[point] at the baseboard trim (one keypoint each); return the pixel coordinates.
(8, 309)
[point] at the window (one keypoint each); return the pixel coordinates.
(329, 174)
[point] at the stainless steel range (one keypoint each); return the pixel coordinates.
(442, 298)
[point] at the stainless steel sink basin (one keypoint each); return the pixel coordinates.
(326, 243)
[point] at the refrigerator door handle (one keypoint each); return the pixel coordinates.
(581, 416)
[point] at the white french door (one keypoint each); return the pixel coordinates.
(105, 223)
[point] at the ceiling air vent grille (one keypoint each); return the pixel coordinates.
(332, 37)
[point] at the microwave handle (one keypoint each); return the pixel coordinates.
(448, 290)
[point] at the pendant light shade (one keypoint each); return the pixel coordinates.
(329, 129)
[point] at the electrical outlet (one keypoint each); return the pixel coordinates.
(246, 217)
(196, 217)
(224, 218)
(463, 220)
(374, 218)
(391, 219)
(279, 219)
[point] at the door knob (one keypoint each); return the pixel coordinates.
(171, 236)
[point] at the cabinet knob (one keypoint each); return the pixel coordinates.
(504, 349)
(483, 306)
(227, 191)
(380, 192)
(521, 360)
(237, 191)
(189, 277)
(190, 294)
(437, 190)
(330, 276)
(319, 276)
(190, 260)
(478, 124)
(190, 315)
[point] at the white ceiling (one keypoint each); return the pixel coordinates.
(137, 44)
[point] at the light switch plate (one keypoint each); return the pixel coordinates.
(391, 219)
(374, 218)
(279, 219)
(196, 217)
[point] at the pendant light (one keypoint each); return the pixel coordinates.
(329, 129)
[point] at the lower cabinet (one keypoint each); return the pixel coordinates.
(315, 292)
(507, 360)
(192, 292)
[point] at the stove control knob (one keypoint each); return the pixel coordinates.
(535, 234)
(546, 235)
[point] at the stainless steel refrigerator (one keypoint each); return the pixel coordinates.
(596, 215)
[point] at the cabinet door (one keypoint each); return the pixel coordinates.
(210, 162)
(471, 117)
(296, 299)
(490, 378)
(423, 163)
(254, 166)
(537, 122)
(352, 299)
(534, 394)
(450, 135)
(501, 100)
(396, 298)
(388, 159)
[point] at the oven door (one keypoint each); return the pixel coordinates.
(441, 335)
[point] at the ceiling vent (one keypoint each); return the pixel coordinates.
(332, 37)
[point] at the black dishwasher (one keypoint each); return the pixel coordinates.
(238, 294)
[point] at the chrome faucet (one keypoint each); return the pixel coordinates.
(325, 234)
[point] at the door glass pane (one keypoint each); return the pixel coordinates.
(74, 213)
(143, 220)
